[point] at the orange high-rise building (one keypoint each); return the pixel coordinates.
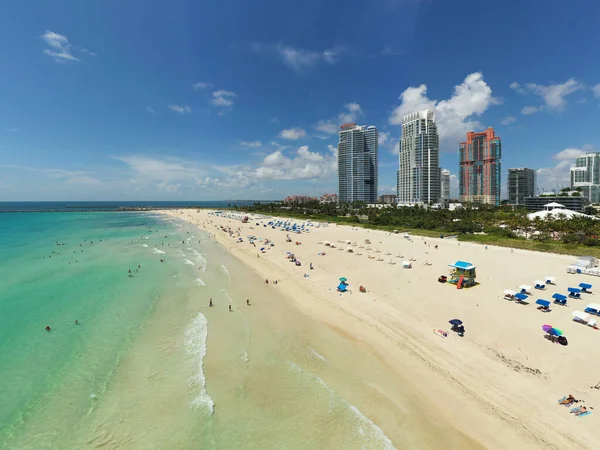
(479, 176)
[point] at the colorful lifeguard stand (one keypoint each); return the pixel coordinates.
(462, 274)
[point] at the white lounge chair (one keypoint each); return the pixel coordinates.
(525, 289)
(581, 317)
(509, 295)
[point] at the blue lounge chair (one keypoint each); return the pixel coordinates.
(544, 304)
(560, 299)
(574, 292)
(585, 287)
(521, 297)
(539, 286)
(342, 287)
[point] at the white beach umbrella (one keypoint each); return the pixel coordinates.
(406, 263)
(525, 287)
(550, 279)
(509, 292)
(349, 249)
(536, 282)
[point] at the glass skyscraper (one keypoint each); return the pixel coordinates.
(521, 184)
(418, 179)
(357, 163)
(445, 180)
(479, 175)
(586, 175)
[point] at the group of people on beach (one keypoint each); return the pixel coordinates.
(577, 411)
(211, 304)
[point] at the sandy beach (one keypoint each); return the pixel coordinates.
(499, 384)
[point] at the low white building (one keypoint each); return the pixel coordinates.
(556, 211)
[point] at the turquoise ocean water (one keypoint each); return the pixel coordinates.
(151, 365)
(58, 268)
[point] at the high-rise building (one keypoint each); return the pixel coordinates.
(521, 184)
(586, 175)
(445, 182)
(357, 163)
(418, 179)
(479, 176)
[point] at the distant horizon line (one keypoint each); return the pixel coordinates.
(137, 201)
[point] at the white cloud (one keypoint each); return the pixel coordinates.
(383, 137)
(254, 144)
(150, 109)
(223, 98)
(12, 130)
(326, 126)
(552, 95)
(201, 85)
(275, 120)
(454, 186)
(331, 126)
(559, 174)
(68, 176)
(297, 59)
(454, 116)
(304, 165)
(61, 49)
(568, 154)
(529, 110)
(596, 90)
(180, 109)
(292, 133)
(508, 120)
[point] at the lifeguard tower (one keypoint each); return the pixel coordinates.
(462, 274)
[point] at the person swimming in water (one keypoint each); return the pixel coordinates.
(76, 322)
(48, 328)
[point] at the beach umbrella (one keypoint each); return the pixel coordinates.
(456, 322)
(551, 330)
(342, 279)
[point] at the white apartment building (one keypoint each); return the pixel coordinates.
(418, 179)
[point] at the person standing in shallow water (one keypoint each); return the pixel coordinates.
(210, 303)
(230, 310)
(248, 301)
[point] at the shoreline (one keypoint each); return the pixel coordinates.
(485, 382)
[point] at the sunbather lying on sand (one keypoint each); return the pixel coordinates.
(567, 400)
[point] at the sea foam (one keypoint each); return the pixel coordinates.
(224, 269)
(317, 354)
(145, 245)
(187, 261)
(369, 430)
(157, 251)
(374, 435)
(200, 282)
(199, 259)
(197, 334)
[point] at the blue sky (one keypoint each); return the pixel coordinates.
(189, 100)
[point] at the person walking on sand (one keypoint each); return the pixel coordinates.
(230, 310)
(248, 301)
(210, 303)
